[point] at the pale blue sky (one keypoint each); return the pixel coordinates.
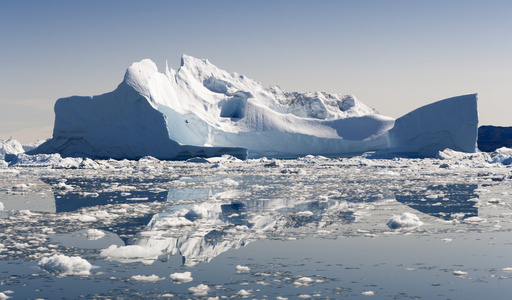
(394, 55)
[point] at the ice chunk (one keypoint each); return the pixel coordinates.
(150, 278)
(200, 290)
(64, 265)
(242, 269)
(405, 220)
(450, 123)
(131, 253)
(181, 277)
(9, 148)
(94, 234)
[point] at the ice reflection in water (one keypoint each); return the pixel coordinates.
(218, 220)
(334, 210)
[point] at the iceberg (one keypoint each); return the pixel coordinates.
(451, 123)
(203, 111)
(9, 148)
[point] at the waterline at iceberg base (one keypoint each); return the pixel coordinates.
(311, 227)
(203, 111)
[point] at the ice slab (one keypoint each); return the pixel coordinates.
(451, 123)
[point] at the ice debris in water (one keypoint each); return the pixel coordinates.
(94, 234)
(459, 273)
(144, 278)
(131, 253)
(181, 277)
(64, 265)
(303, 281)
(1, 206)
(243, 293)
(368, 293)
(3, 296)
(405, 220)
(242, 269)
(200, 290)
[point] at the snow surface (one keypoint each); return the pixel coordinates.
(450, 123)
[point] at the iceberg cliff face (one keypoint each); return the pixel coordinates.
(153, 113)
(451, 123)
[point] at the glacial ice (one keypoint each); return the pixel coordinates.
(10, 146)
(203, 111)
(451, 123)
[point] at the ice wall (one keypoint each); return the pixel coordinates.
(451, 123)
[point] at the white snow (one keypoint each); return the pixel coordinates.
(405, 220)
(450, 123)
(181, 277)
(64, 265)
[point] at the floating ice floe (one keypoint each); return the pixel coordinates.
(131, 253)
(200, 290)
(64, 265)
(242, 269)
(144, 278)
(405, 220)
(181, 277)
(94, 234)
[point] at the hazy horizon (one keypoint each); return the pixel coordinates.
(394, 56)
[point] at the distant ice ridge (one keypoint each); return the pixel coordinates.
(213, 111)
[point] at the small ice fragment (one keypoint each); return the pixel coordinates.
(150, 278)
(94, 234)
(131, 253)
(508, 269)
(475, 220)
(3, 296)
(304, 296)
(368, 293)
(242, 269)
(303, 281)
(64, 265)
(281, 298)
(446, 240)
(181, 277)
(459, 273)
(1, 206)
(200, 290)
(405, 220)
(243, 293)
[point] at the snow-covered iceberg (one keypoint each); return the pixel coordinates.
(213, 112)
(451, 123)
(201, 110)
